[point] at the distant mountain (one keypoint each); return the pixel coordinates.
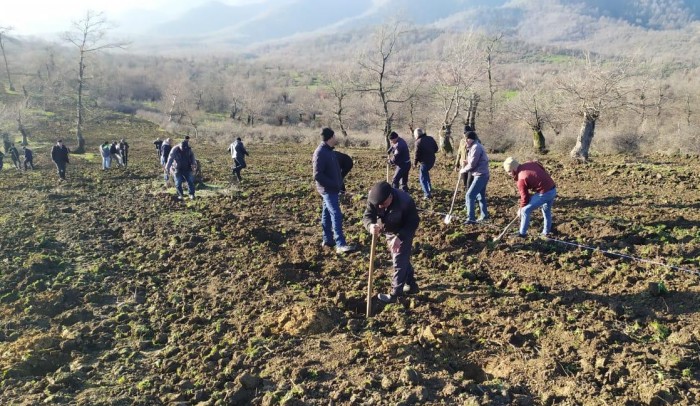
(561, 20)
(653, 14)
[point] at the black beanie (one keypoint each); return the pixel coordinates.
(393, 135)
(471, 135)
(327, 134)
(468, 128)
(379, 192)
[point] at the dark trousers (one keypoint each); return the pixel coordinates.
(401, 177)
(61, 167)
(28, 162)
(238, 164)
(403, 270)
(467, 180)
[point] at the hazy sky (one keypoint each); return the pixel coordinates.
(35, 17)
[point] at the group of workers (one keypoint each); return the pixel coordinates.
(391, 210)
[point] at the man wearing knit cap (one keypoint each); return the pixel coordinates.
(478, 166)
(401, 158)
(393, 212)
(426, 148)
(531, 176)
(329, 183)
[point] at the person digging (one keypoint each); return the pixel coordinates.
(393, 212)
(531, 176)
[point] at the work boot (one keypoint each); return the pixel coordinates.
(325, 245)
(345, 249)
(411, 289)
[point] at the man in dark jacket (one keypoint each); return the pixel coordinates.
(238, 154)
(394, 212)
(28, 158)
(182, 159)
(14, 154)
(123, 148)
(329, 183)
(400, 157)
(346, 164)
(159, 143)
(59, 156)
(426, 148)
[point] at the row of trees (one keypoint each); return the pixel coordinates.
(400, 79)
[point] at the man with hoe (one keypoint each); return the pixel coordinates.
(329, 183)
(531, 176)
(393, 212)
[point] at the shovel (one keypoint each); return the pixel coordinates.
(372, 251)
(517, 216)
(448, 217)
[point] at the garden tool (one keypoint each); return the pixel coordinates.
(372, 251)
(448, 217)
(517, 216)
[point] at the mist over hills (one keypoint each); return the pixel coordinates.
(550, 20)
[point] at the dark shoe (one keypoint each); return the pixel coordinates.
(384, 298)
(411, 289)
(324, 245)
(518, 236)
(345, 249)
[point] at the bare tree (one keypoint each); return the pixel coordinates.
(601, 87)
(340, 86)
(491, 49)
(89, 35)
(455, 73)
(3, 34)
(383, 79)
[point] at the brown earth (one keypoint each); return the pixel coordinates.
(114, 293)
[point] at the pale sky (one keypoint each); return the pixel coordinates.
(37, 17)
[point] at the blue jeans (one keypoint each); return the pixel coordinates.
(332, 220)
(543, 200)
(477, 191)
(403, 270)
(189, 177)
(424, 179)
(106, 162)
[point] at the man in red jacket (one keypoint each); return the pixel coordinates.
(531, 176)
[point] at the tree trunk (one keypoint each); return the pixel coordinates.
(585, 137)
(446, 140)
(7, 68)
(79, 121)
(538, 140)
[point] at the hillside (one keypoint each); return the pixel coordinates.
(242, 25)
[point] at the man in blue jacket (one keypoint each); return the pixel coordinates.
(394, 213)
(400, 157)
(329, 183)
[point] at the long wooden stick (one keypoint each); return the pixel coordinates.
(517, 216)
(448, 218)
(372, 251)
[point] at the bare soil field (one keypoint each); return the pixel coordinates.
(113, 292)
